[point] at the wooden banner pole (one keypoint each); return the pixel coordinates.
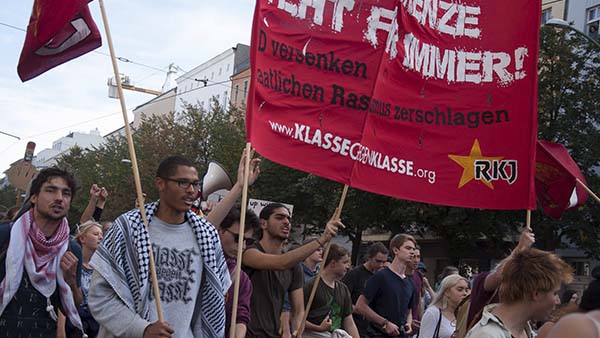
(134, 165)
(588, 190)
(238, 266)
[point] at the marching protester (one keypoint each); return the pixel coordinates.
(192, 272)
(89, 235)
(439, 320)
(427, 291)
(485, 284)
(580, 324)
(529, 286)
(274, 273)
(40, 266)
(310, 267)
(387, 299)
(229, 233)
(356, 280)
(417, 278)
(331, 309)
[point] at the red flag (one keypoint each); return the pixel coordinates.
(58, 31)
(429, 101)
(555, 174)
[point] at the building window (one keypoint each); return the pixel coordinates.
(212, 75)
(220, 70)
(245, 91)
(593, 21)
(546, 15)
(235, 96)
(225, 99)
(227, 67)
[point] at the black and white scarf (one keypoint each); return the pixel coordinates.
(122, 258)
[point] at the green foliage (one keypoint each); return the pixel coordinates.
(8, 198)
(195, 134)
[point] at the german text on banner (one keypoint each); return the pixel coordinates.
(432, 101)
(555, 175)
(58, 31)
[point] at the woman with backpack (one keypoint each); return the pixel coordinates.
(439, 320)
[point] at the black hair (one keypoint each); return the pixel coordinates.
(376, 248)
(269, 209)
(168, 167)
(45, 175)
(234, 216)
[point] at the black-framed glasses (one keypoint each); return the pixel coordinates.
(185, 184)
(236, 238)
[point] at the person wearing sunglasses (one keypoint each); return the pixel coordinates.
(229, 232)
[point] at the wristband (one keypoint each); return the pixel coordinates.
(321, 244)
(385, 323)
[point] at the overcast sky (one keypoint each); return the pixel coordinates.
(74, 96)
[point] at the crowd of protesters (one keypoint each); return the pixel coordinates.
(97, 282)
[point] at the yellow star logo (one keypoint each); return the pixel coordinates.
(468, 164)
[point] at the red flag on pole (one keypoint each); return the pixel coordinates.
(428, 101)
(555, 174)
(58, 31)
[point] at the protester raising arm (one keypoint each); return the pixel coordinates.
(218, 213)
(95, 205)
(492, 281)
(256, 259)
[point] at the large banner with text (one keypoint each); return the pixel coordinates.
(426, 100)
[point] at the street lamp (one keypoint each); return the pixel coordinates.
(563, 24)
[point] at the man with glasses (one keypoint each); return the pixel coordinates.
(190, 265)
(229, 232)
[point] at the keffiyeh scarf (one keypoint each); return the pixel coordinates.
(28, 248)
(122, 258)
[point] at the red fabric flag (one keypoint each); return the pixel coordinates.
(58, 31)
(431, 101)
(555, 174)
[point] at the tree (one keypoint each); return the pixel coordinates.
(569, 114)
(195, 134)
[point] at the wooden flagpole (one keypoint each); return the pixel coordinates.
(588, 190)
(336, 215)
(238, 266)
(528, 220)
(134, 165)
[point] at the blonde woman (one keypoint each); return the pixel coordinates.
(439, 320)
(89, 235)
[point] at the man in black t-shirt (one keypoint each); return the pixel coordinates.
(356, 280)
(388, 297)
(273, 273)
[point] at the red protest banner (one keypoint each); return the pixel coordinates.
(58, 31)
(555, 176)
(432, 101)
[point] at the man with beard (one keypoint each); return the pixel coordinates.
(191, 268)
(40, 267)
(274, 273)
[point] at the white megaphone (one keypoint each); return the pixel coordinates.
(216, 178)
